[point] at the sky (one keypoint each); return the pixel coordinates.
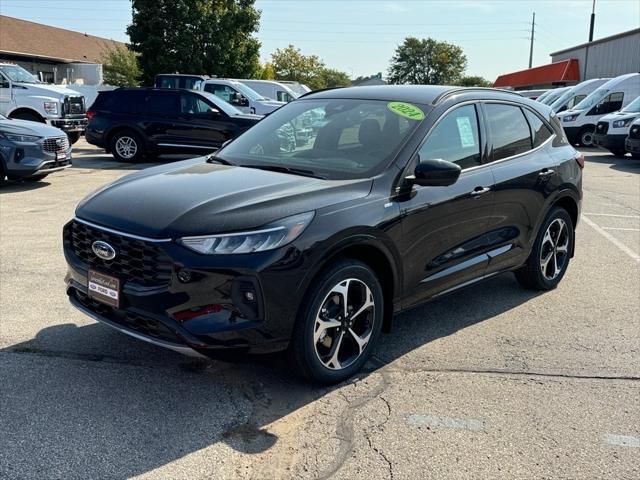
(359, 37)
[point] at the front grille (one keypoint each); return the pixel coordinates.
(55, 144)
(635, 131)
(74, 105)
(144, 325)
(602, 128)
(136, 261)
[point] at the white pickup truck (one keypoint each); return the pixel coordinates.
(24, 97)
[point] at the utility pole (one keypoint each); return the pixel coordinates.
(586, 50)
(533, 32)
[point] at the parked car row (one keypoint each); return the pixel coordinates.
(598, 112)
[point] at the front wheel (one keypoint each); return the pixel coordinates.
(339, 323)
(585, 137)
(551, 253)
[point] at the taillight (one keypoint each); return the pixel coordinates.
(580, 159)
(90, 114)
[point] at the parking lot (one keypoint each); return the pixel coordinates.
(493, 381)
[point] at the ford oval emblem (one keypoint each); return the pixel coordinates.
(103, 250)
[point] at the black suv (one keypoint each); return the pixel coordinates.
(400, 194)
(134, 122)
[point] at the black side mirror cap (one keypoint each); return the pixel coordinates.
(435, 173)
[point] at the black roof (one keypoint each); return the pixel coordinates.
(424, 94)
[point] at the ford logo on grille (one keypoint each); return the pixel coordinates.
(103, 250)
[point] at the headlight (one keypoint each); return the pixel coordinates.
(51, 107)
(623, 123)
(570, 118)
(19, 138)
(271, 236)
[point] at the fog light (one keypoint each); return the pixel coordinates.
(19, 155)
(184, 276)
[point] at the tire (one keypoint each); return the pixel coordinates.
(73, 137)
(32, 117)
(119, 143)
(3, 175)
(554, 244)
(313, 349)
(585, 137)
(36, 178)
(618, 152)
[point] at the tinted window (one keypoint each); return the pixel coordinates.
(455, 139)
(509, 130)
(193, 104)
(540, 131)
(575, 100)
(163, 104)
(127, 102)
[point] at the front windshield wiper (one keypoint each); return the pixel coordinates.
(212, 158)
(279, 168)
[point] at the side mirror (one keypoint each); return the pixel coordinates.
(244, 101)
(435, 173)
(214, 112)
(562, 109)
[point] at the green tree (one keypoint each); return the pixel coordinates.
(473, 81)
(120, 67)
(290, 64)
(427, 61)
(195, 36)
(330, 77)
(266, 72)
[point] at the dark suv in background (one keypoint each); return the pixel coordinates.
(133, 122)
(401, 194)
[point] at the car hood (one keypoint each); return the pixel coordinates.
(194, 197)
(25, 127)
(54, 91)
(619, 115)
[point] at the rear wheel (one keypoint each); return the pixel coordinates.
(551, 253)
(126, 146)
(585, 137)
(339, 323)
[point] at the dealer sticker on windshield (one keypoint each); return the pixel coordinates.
(406, 110)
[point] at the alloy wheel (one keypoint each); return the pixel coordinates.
(344, 324)
(554, 250)
(586, 139)
(126, 147)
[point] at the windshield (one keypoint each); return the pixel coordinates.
(562, 99)
(592, 99)
(543, 96)
(329, 138)
(633, 107)
(248, 92)
(221, 105)
(18, 74)
(296, 88)
(553, 96)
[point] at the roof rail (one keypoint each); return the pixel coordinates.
(453, 91)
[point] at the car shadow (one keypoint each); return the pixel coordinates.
(105, 161)
(118, 407)
(13, 186)
(625, 163)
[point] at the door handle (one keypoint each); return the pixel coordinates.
(476, 192)
(545, 172)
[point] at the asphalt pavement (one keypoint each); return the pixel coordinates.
(493, 381)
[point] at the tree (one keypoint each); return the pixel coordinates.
(266, 72)
(290, 64)
(473, 81)
(195, 36)
(120, 67)
(330, 77)
(427, 61)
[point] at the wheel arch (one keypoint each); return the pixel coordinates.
(568, 200)
(26, 110)
(374, 253)
(123, 127)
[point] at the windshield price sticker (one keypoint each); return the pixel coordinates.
(406, 110)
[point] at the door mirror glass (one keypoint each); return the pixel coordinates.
(214, 112)
(435, 173)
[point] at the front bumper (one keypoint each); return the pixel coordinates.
(615, 142)
(69, 124)
(632, 145)
(24, 160)
(208, 313)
